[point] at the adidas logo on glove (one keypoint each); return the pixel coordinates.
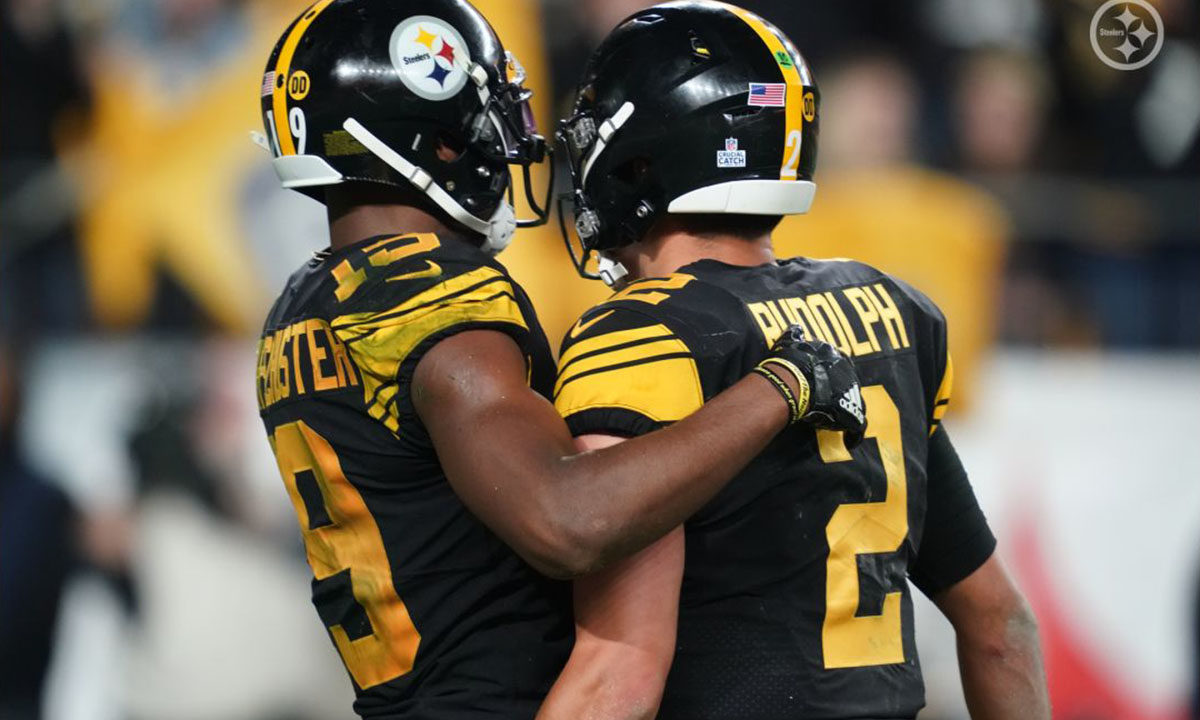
(852, 403)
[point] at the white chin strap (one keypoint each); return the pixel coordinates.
(610, 271)
(497, 231)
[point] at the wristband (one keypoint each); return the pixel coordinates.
(783, 388)
(801, 379)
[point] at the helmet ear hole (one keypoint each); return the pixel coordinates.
(449, 147)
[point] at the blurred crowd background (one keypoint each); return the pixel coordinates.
(149, 562)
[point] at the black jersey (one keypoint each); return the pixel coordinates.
(794, 601)
(434, 617)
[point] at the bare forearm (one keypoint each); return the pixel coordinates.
(510, 457)
(998, 648)
(1004, 678)
(595, 687)
(625, 618)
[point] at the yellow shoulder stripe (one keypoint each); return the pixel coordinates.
(647, 370)
(664, 390)
(942, 400)
(642, 352)
(610, 340)
(380, 341)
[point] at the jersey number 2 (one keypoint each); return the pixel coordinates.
(850, 640)
(353, 590)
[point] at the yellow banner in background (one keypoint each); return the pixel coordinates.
(169, 162)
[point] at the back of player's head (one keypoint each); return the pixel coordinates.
(406, 93)
(691, 107)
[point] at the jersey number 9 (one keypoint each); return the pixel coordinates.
(353, 590)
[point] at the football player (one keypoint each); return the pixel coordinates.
(399, 375)
(794, 600)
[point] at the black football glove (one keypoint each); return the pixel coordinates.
(834, 399)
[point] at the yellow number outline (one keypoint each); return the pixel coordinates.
(350, 541)
(858, 529)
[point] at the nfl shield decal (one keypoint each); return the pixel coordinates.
(731, 157)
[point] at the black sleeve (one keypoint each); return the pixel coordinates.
(957, 539)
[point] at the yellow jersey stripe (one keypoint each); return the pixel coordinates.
(380, 341)
(664, 390)
(380, 354)
(793, 101)
(941, 401)
(474, 285)
(283, 67)
(611, 340)
(641, 352)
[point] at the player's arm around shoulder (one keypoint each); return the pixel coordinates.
(625, 625)
(623, 373)
(510, 458)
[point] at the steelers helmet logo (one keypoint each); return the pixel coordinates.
(430, 57)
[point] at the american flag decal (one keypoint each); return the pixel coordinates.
(767, 95)
(268, 85)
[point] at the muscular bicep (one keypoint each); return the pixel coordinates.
(494, 436)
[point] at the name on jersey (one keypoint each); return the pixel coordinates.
(857, 320)
(302, 358)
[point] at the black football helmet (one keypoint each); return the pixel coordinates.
(686, 107)
(367, 90)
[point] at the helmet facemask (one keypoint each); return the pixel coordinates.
(508, 118)
(584, 137)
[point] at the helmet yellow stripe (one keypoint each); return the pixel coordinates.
(793, 102)
(283, 66)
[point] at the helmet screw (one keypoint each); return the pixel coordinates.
(642, 211)
(483, 172)
(450, 185)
